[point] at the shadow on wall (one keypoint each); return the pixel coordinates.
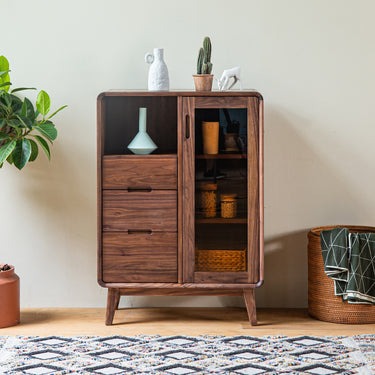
(285, 271)
(61, 197)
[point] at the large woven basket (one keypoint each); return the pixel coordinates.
(322, 302)
(220, 260)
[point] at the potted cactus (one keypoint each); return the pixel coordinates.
(203, 79)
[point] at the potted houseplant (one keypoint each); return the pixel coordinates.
(24, 129)
(203, 79)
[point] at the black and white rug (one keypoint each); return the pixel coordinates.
(180, 355)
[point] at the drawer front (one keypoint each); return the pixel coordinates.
(154, 210)
(139, 257)
(134, 172)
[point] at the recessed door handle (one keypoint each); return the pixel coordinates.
(187, 127)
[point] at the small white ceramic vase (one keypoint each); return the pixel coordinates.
(158, 78)
(142, 144)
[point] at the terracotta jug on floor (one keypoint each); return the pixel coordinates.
(9, 298)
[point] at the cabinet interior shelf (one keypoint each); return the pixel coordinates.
(221, 156)
(220, 220)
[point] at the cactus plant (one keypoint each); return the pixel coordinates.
(200, 60)
(204, 65)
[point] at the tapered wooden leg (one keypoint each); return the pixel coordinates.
(113, 299)
(249, 296)
(117, 300)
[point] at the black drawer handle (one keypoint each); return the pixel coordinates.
(143, 189)
(137, 231)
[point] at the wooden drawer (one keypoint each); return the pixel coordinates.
(139, 257)
(145, 172)
(154, 210)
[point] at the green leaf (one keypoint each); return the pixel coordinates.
(7, 149)
(34, 150)
(43, 102)
(4, 72)
(10, 159)
(4, 64)
(27, 110)
(3, 84)
(22, 89)
(4, 77)
(3, 136)
(25, 122)
(21, 153)
(57, 111)
(6, 99)
(48, 130)
(44, 146)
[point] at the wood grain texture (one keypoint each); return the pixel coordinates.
(155, 194)
(134, 171)
(139, 257)
(253, 190)
(171, 321)
(113, 298)
(188, 192)
(154, 210)
(249, 297)
(221, 102)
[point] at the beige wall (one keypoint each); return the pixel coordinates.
(312, 60)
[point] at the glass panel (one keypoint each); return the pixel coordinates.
(221, 190)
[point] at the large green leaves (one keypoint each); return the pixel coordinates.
(4, 76)
(43, 102)
(24, 127)
(21, 153)
(34, 150)
(48, 130)
(43, 143)
(6, 150)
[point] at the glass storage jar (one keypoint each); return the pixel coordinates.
(208, 199)
(228, 205)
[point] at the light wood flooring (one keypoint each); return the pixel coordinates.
(177, 321)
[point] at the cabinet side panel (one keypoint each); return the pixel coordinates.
(100, 134)
(253, 191)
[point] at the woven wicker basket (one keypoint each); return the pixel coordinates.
(322, 302)
(220, 260)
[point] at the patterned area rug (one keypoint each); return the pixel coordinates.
(187, 355)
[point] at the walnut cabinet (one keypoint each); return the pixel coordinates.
(184, 220)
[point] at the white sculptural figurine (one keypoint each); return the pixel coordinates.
(233, 73)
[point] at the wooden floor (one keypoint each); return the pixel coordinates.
(177, 321)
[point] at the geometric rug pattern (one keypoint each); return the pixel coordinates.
(180, 355)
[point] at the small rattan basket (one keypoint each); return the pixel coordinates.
(220, 260)
(322, 302)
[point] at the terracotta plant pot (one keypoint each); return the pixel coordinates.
(203, 82)
(9, 298)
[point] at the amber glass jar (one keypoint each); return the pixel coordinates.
(228, 205)
(208, 198)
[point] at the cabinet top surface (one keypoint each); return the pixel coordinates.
(250, 93)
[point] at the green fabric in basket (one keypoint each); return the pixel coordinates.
(349, 259)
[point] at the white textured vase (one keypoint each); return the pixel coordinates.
(158, 78)
(142, 144)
